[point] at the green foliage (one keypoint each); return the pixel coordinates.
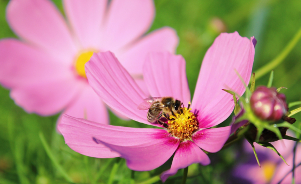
(24, 159)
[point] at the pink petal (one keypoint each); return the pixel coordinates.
(115, 86)
(22, 64)
(141, 83)
(213, 139)
(46, 97)
(228, 53)
(121, 116)
(187, 154)
(132, 58)
(86, 18)
(143, 148)
(39, 22)
(88, 106)
(165, 75)
(126, 21)
(282, 169)
(79, 133)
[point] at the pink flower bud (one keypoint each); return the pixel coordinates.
(268, 104)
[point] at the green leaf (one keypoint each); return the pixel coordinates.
(270, 146)
(271, 79)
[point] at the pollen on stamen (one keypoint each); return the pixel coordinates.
(80, 62)
(183, 124)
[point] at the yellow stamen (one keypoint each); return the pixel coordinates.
(81, 60)
(268, 170)
(183, 125)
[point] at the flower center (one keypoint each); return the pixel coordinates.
(268, 170)
(80, 62)
(183, 125)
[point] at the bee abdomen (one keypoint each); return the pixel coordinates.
(154, 112)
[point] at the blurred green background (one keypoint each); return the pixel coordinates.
(23, 158)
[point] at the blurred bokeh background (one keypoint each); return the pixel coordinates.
(274, 23)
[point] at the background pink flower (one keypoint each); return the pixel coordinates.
(45, 69)
(273, 168)
(164, 74)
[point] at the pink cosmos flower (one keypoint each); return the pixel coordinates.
(164, 74)
(45, 69)
(273, 168)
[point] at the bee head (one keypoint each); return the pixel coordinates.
(177, 105)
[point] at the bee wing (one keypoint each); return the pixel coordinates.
(147, 102)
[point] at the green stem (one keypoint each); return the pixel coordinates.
(288, 173)
(53, 159)
(275, 62)
(185, 171)
(271, 79)
(233, 138)
(292, 104)
(113, 171)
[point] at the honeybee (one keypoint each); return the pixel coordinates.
(159, 107)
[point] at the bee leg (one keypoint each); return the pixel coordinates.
(165, 115)
(162, 123)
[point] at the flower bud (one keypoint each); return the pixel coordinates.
(268, 104)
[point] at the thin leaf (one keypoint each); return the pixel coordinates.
(271, 79)
(270, 146)
(291, 138)
(255, 154)
(237, 108)
(248, 92)
(293, 112)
